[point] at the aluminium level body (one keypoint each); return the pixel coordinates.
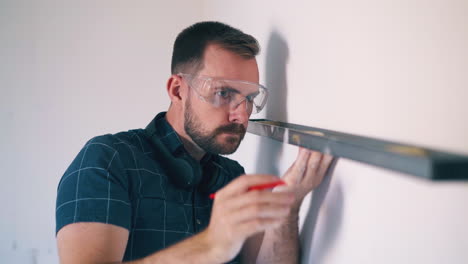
(418, 161)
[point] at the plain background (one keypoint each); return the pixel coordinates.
(396, 70)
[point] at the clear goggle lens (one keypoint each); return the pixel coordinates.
(222, 92)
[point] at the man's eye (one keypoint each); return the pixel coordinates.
(223, 93)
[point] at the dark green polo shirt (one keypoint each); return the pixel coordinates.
(115, 180)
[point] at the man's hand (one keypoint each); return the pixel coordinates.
(306, 173)
(238, 213)
(281, 245)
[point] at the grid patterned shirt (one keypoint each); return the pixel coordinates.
(115, 180)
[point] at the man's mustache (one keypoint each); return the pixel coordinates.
(232, 128)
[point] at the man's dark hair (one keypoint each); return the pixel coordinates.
(190, 45)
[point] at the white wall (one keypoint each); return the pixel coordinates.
(388, 69)
(71, 70)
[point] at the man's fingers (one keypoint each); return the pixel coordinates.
(313, 163)
(295, 173)
(311, 168)
(318, 169)
(300, 165)
(242, 183)
(325, 164)
(279, 198)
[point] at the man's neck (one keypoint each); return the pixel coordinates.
(177, 123)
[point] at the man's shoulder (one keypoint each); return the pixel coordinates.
(103, 150)
(121, 142)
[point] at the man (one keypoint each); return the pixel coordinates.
(136, 196)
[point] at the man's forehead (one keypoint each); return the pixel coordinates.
(221, 63)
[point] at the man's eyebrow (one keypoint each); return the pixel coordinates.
(229, 89)
(233, 90)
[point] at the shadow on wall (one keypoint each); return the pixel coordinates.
(331, 217)
(277, 54)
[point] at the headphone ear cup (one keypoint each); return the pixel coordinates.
(189, 176)
(182, 172)
(213, 179)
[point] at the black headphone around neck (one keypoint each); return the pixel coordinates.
(185, 172)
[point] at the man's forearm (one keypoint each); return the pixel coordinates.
(195, 249)
(281, 245)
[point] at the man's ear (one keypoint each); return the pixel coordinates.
(174, 88)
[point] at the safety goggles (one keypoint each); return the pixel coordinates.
(228, 93)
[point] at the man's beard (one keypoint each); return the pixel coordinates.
(207, 141)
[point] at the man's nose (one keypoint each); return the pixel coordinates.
(240, 112)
